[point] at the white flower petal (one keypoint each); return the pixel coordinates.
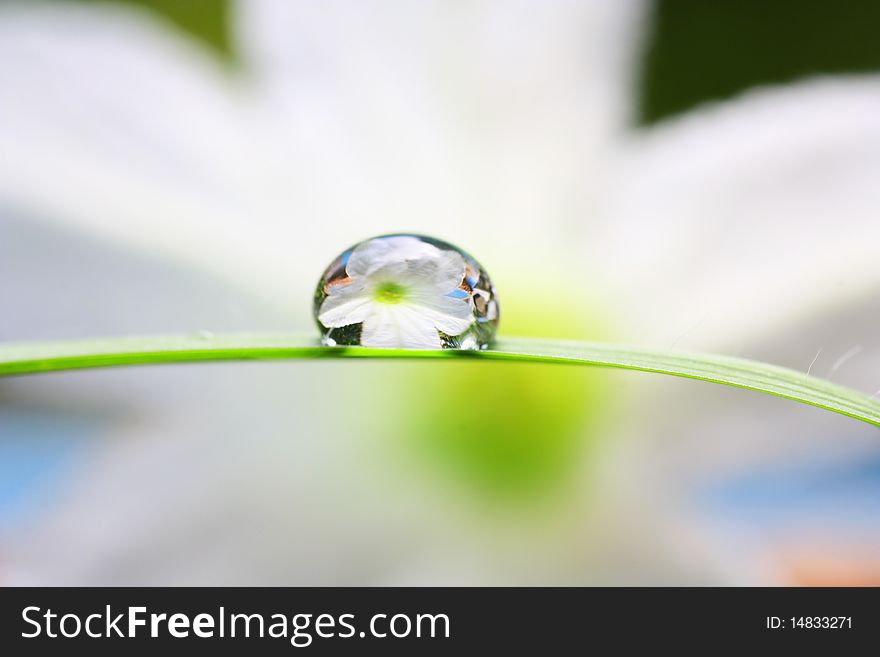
(409, 262)
(398, 326)
(434, 276)
(736, 220)
(440, 274)
(450, 315)
(148, 142)
(376, 254)
(368, 95)
(138, 135)
(346, 304)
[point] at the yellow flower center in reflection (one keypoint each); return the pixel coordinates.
(389, 293)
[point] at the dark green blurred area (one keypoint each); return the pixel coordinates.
(703, 50)
(695, 50)
(208, 21)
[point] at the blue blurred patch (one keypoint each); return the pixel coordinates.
(458, 293)
(37, 450)
(841, 494)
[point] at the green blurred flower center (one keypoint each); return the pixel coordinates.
(389, 293)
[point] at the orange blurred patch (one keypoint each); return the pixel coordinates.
(825, 567)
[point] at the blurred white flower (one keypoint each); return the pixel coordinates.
(502, 125)
(346, 121)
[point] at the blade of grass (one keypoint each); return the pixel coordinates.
(19, 359)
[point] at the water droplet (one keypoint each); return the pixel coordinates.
(406, 291)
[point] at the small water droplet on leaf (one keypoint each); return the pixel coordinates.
(406, 292)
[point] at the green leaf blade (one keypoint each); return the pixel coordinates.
(21, 359)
